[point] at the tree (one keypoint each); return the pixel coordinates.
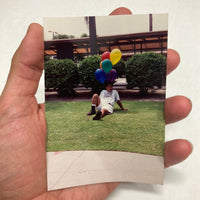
(61, 36)
(84, 35)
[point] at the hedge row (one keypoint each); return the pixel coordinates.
(145, 71)
(142, 70)
(62, 76)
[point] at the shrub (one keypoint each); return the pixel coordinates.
(62, 75)
(87, 70)
(145, 71)
(120, 67)
(46, 58)
(78, 57)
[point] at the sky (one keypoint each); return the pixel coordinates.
(105, 25)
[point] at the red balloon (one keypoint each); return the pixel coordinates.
(105, 55)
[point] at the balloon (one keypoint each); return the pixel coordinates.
(101, 65)
(106, 65)
(115, 56)
(105, 55)
(111, 76)
(100, 75)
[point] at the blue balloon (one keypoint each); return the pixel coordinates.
(107, 65)
(100, 75)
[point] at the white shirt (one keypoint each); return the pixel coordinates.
(109, 97)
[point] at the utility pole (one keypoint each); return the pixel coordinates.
(93, 35)
(150, 22)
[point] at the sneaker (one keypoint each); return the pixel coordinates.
(92, 112)
(97, 116)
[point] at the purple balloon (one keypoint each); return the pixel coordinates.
(111, 76)
(100, 75)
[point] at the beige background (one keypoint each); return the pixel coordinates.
(181, 181)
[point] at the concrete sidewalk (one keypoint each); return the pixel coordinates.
(83, 93)
(119, 84)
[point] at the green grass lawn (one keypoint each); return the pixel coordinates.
(140, 129)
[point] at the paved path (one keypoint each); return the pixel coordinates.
(83, 93)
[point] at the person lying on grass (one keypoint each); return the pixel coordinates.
(105, 102)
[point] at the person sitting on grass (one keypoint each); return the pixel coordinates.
(105, 102)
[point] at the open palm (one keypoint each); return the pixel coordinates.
(23, 130)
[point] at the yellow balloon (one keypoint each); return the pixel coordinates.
(115, 56)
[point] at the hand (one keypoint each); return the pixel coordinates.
(23, 129)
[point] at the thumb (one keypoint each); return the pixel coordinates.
(27, 65)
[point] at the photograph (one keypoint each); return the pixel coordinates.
(105, 83)
(99, 101)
